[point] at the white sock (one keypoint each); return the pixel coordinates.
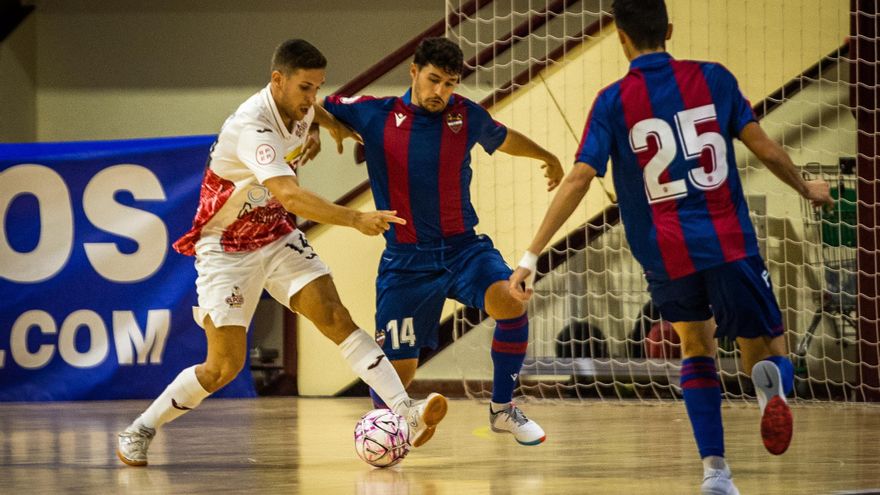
(497, 408)
(372, 366)
(713, 462)
(183, 394)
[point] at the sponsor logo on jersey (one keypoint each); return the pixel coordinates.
(236, 300)
(292, 158)
(399, 117)
(454, 121)
(265, 154)
(380, 336)
(265, 129)
(257, 194)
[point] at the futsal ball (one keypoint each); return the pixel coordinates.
(662, 342)
(381, 438)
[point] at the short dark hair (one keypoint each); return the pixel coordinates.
(644, 21)
(297, 54)
(441, 53)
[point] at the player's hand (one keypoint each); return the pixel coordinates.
(312, 146)
(517, 286)
(819, 193)
(341, 132)
(376, 222)
(553, 172)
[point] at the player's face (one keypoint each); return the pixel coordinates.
(432, 87)
(297, 92)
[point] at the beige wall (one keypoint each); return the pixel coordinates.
(764, 43)
(18, 91)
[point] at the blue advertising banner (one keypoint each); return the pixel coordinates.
(94, 302)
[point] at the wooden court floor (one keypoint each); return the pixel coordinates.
(301, 445)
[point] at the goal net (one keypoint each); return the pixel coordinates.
(537, 66)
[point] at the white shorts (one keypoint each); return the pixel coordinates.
(229, 285)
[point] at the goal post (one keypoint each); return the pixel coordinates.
(593, 331)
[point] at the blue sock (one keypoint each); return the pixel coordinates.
(378, 403)
(702, 398)
(509, 344)
(786, 369)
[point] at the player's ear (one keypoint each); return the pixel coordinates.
(413, 70)
(669, 32)
(277, 78)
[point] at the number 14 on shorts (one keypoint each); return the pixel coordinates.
(403, 333)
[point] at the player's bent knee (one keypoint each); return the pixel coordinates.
(213, 378)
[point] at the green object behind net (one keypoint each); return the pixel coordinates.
(839, 221)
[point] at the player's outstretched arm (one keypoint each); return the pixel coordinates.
(339, 131)
(777, 161)
(307, 204)
(517, 144)
(571, 192)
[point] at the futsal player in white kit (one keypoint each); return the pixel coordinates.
(245, 240)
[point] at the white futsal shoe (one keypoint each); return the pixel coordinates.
(718, 482)
(776, 420)
(512, 420)
(132, 445)
(423, 417)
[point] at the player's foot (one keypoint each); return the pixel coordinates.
(512, 420)
(776, 420)
(132, 445)
(718, 482)
(423, 416)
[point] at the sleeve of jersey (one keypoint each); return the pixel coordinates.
(492, 133)
(741, 110)
(262, 154)
(346, 109)
(596, 141)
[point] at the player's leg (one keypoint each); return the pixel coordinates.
(299, 278)
(684, 303)
(702, 398)
(229, 288)
(226, 355)
(481, 281)
(406, 370)
(409, 301)
(743, 301)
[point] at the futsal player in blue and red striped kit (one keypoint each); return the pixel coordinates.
(418, 152)
(668, 128)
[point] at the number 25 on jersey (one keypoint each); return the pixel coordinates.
(692, 145)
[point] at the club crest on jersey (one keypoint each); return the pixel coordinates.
(265, 154)
(380, 336)
(300, 128)
(236, 300)
(454, 121)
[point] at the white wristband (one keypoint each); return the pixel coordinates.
(529, 261)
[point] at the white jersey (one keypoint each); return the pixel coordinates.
(235, 210)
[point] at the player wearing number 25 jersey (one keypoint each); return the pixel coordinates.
(668, 127)
(683, 209)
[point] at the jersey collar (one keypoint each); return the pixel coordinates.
(279, 122)
(407, 100)
(650, 59)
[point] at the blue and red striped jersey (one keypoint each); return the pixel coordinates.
(668, 127)
(419, 161)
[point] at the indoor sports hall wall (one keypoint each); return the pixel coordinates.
(91, 70)
(764, 43)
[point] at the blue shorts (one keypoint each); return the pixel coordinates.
(415, 281)
(739, 294)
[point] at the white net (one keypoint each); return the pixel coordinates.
(537, 65)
